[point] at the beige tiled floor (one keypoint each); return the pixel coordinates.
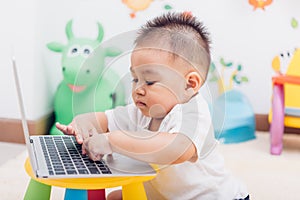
(10, 150)
(266, 176)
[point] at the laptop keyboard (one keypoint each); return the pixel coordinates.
(64, 156)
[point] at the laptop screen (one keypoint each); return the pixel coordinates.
(22, 110)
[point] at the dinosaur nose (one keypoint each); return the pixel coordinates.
(69, 74)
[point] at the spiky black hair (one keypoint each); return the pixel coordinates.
(182, 34)
(177, 21)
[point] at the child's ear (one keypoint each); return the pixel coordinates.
(193, 81)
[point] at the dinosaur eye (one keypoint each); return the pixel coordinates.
(86, 50)
(73, 51)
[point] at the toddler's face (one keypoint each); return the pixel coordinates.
(158, 83)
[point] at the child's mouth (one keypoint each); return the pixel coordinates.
(140, 104)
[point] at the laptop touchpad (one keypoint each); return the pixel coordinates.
(118, 162)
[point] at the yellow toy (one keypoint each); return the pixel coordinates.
(285, 101)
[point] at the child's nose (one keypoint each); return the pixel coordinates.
(140, 91)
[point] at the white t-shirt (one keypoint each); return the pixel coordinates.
(205, 179)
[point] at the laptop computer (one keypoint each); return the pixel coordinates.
(61, 157)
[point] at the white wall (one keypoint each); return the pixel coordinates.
(18, 37)
(240, 34)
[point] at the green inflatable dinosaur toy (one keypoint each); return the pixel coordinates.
(87, 85)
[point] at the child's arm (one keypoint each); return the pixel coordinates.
(152, 147)
(158, 148)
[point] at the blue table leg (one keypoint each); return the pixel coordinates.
(74, 194)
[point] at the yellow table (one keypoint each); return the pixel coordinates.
(132, 187)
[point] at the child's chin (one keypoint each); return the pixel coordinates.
(156, 116)
(147, 113)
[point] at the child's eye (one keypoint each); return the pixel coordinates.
(135, 80)
(150, 82)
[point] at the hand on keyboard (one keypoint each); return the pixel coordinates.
(97, 146)
(82, 126)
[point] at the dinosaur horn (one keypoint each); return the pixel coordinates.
(69, 32)
(100, 32)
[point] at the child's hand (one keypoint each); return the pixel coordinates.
(69, 130)
(82, 127)
(96, 146)
(66, 129)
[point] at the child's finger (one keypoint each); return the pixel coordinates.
(95, 157)
(83, 151)
(79, 138)
(70, 130)
(83, 147)
(61, 127)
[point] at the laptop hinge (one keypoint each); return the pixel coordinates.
(34, 157)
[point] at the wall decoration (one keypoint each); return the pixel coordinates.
(260, 3)
(168, 7)
(137, 5)
(229, 75)
(140, 5)
(294, 23)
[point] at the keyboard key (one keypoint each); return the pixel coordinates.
(60, 173)
(71, 172)
(94, 171)
(107, 171)
(83, 171)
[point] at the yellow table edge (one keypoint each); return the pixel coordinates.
(289, 121)
(87, 183)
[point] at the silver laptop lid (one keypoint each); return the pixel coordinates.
(23, 117)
